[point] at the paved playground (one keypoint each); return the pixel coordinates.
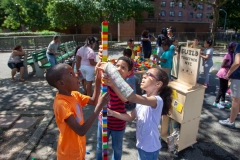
(30, 130)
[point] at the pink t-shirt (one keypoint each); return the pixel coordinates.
(223, 71)
(86, 53)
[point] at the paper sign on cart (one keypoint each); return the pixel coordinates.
(178, 106)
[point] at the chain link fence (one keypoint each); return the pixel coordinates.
(38, 42)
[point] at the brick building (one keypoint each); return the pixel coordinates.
(167, 13)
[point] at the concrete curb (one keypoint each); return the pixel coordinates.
(30, 145)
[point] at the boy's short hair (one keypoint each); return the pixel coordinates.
(166, 43)
(127, 52)
(131, 40)
(128, 61)
(54, 74)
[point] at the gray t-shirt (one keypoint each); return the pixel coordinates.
(14, 59)
(208, 62)
(53, 46)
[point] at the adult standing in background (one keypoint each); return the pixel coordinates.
(15, 63)
(52, 51)
(170, 34)
(86, 62)
(234, 75)
(146, 44)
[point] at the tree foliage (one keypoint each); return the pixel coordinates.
(27, 12)
(233, 15)
(60, 14)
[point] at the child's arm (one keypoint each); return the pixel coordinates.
(123, 116)
(126, 91)
(224, 63)
(109, 82)
(81, 130)
(93, 100)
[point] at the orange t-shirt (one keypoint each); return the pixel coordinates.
(70, 145)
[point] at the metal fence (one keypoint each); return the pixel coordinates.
(38, 42)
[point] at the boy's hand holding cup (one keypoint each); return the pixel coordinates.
(102, 101)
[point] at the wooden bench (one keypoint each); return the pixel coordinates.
(40, 59)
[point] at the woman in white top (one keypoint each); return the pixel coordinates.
(15, 62)
(86, 62)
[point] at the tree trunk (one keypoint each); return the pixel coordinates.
(215, 23)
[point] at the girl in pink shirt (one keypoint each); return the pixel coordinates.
(226, 64)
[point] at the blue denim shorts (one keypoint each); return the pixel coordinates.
(143, 155)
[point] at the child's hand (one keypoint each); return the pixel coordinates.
(103, 100)
(101, 66)
(110, 112)
(100, 52)
(107, 80)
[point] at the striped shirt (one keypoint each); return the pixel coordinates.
(116, 105)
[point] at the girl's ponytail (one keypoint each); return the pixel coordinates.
(166, 95)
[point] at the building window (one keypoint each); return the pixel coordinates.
(200, 6)
(163, 4)
(191, 15)
(163, 13)
(208, 15)
(180, 14)
(150, 15)
(209, 7)
(199, 15)
(172, 4)
(180, 4)
(172, 13)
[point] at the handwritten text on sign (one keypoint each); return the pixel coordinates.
(188, 65)
(189, 56)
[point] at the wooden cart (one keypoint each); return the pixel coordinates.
(187, 100)
(188, 118)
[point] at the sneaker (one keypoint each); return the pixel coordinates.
(215, 104)
(219, 105)
(227, 123)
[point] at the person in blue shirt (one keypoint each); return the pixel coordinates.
(146, 43)
(166, 58)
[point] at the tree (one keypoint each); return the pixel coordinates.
(73, 12)
(216, 5)
(29, 13)
(232, 9)
(69, 13)
(119, 11)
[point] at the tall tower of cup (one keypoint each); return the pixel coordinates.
(104, 38)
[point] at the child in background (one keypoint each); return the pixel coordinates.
(150, 107)
(80, 76)
(207, 60)
(197, 46)
(67, 107)
(166, 58)
(116, 127)
(226, 64)
(130, 79)
(130, 45)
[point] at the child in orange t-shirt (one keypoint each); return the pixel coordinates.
(68, 112)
